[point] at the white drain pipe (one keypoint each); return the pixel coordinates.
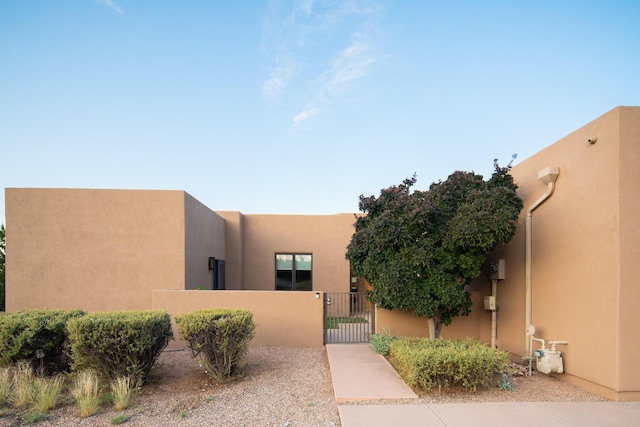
(549, 176)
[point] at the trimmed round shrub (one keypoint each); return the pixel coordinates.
(25, 335)
(220, 337)
(119, 344)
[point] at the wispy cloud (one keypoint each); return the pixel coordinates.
(348, 66)
(304, 115)
(316, 50)
(351, 64)
(278, 80)
(112, 5)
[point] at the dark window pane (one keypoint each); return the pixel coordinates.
(303, 280)
(284, 280)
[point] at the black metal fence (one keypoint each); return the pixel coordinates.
(348, 317)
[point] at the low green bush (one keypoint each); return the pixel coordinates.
(23, 333)
(445, 364)
(119, 344)
(381, 342)
(220, 337)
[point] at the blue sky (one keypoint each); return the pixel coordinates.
(298, 106)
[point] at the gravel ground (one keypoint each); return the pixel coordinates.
(281, 387)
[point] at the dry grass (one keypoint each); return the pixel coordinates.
(5, 385)
(46, 392)
(121, 390)
(23, 385)
(85, 392)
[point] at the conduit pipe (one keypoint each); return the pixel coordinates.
(494, 313)
(549, 176)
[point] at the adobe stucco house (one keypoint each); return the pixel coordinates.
(109, 250)
(129, 249)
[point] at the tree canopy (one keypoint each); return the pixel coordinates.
(419, 249)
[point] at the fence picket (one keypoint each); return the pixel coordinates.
(348, 317)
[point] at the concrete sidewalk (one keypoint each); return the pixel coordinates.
(527, 414)
(359, 373)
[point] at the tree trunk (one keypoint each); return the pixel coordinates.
(434, 327)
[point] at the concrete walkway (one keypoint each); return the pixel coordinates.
(359, 373)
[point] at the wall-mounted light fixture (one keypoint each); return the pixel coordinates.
(212, 263)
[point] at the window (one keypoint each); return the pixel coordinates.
(293, 272)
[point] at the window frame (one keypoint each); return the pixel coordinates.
(294, 271)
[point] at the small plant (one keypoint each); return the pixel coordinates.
(120, 419)
(46, 392)
(105, 399)
(381, 343)
(182, 415)
(32, 417)
(505, 382)
(121, 391)
(5, 385)
(85, 392)
(23, 384)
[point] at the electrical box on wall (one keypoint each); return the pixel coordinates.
(490, 303)
(497, 270)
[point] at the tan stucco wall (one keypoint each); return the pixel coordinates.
(403, 323)
(92, 249)
(585, 247)
(204, 235)
(324, 236)
(289, 319)
(629, 202)
(234, 248)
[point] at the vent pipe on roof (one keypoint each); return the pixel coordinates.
(549, 176)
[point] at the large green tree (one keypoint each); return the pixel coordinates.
(419, 249)
(2, 258)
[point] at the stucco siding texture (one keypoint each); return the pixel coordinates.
(204, 236)
(289, 319)
(629, 249)
(234, 251)
(92, 249)
(577, 264)
(476, 326)
(324, 236)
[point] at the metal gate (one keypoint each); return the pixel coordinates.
(348, 317)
